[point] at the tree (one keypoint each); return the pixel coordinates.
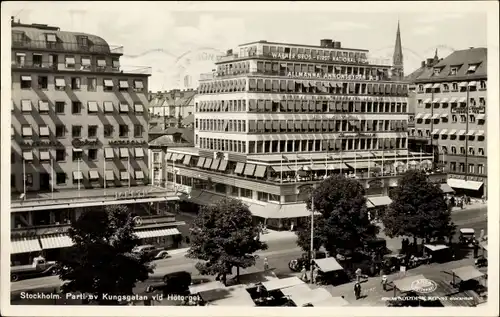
(418, 209)
(224, 236)
(100, 261)
(343, 223)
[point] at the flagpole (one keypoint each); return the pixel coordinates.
(52, 176)
(24, 179)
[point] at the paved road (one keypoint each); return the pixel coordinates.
(280, 252)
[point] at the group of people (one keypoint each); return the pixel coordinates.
(458, 201)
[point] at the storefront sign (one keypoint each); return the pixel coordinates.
(41, 144)
(131, 194)
(359, 135)
(480, 109)
(309, 57)
(78, 143)
(127, 142)
(331, 76)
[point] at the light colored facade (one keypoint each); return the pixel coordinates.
(279, 116)
(450, 113)
(79, 136)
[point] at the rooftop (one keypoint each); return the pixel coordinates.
(463, 60)
(305, 45)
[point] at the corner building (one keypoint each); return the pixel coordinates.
(78, 133)
(450, 115)
(275, 117)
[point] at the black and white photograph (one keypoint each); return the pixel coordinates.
(251, 157)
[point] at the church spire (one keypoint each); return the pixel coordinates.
(397, 58)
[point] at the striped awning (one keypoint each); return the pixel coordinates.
(153, 233)
(25, 245)
(56, 242)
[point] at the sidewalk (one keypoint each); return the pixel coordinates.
(474, 205)
(272, 235)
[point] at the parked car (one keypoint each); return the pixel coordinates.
(148, 251)
(296, 265)
(177, 282)
(39, 267)
(467, 236)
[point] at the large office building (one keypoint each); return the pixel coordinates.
(450, 117)
(274, 117)
(78, 137)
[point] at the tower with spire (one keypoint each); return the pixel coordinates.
(397, 57)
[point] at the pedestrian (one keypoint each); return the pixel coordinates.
(303, 273)
(357, 290)
(266, 264)
(384, 282)
(358, 274)
(476, 249)
(188, 240)
(452, 201)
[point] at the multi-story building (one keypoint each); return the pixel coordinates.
(277, 116)
(450, 115)
(78, 134)
(172, 108)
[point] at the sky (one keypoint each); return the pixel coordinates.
(184, 39)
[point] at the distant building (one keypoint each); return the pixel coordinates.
(397, 57)
(171, 108)
(450, 116)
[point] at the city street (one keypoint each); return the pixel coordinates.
(279, 253)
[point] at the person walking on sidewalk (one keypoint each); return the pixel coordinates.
(303, 273)
(384, 282)
(266, 264)
(357, 290)
(358, 275)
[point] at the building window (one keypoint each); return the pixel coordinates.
(76, 131)
(463, 118)
(453, 166)
(75, 83)
(25, 82)
(60, 83)
(91, 84)
(472, 118)
(471, 168)
(482, 84)
(92, 154)
(454, 118)
(83, 41)
(446, 87)
(123, 85)
(60, 155)
(76, 107)
(138, 131)
(77, 154)
(37, 60)
(43, 82)
(454, 86)
(123, 131)
(472, 69)
(453, 149)
(461, 167)
(247, 193)
(60, 107)
(20, 59)
(44, 131)
(462, 150)
(471, 151)
(115, 64)
(92, 131)
(453, 70)
(12, 180)
(437, 71)
(138, 85)
(60, 178)
(480, 169)
(60, 131)
(108, 130)
(262, 196)
(108, 85)
(480, 151)
(70, 62)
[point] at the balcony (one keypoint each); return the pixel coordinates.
(68, 47)
(53, 67)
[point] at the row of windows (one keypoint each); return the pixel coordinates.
(83, 63)
(454, 101)
(77, 107)
(76, 131)
(302, 145)
(300, 106)
(452, 134)
(471, 168)
(445, 87)
(302, 86)
(453, 150)
(75, 83)
(272, 50)
(426, 118)
(78, 177)
(265, 126)
(78, 154)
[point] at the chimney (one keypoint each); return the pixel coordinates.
(326, 43)
(337, 45)
(429, 62)
(229, 52)
(423, 64)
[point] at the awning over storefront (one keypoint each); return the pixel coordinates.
(153, 233)
(369, 204)
(452, 132)
(436, 86)
(328, 265)
(208, 162)
(359, 165)
(25, 245)
(467, 273)
(481, 116)
(282, 283)
(428, 100)
(470, 133)
(444, 115)
(215, 164)
(380, 201)
(187, 160)
(444, 100)
(56, 242)
(436, 100)
(427, 86)
(337, 166)
(480, 133)
(446, 188)
(280, 168)
(460, 183)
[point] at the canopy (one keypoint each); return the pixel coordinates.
(466, 273)
(25, 245)
(56, 241)
(282, 283)
(446, 188)
(405, 284)
(460, 183)
(380, 201)
(467, 231)
(436, 247)
(304, 296)
(328, 265)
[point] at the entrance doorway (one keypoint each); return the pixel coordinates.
(44, 181)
